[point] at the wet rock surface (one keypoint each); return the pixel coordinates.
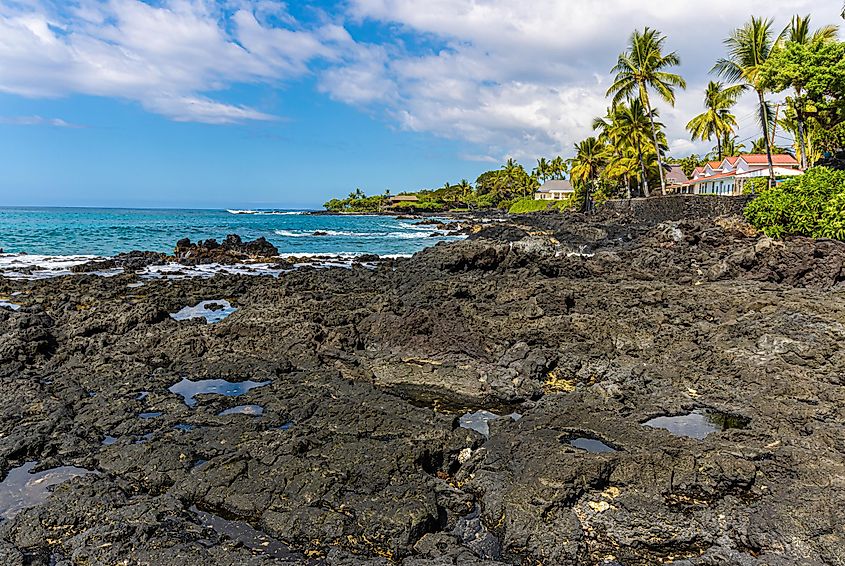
(563, 328)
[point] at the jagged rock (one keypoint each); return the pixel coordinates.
(565, 327)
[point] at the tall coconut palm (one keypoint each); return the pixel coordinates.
(589, 158)
(642, 67)
(542, 169)
(717, 121)
(731, 146)
(749, 47)
(465, 187)
(626, 126)
(557, 168)
(799, 31)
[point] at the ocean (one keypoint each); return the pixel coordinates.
(108, 231)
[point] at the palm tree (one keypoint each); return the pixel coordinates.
(627, 130)
(641, 67)
(542, 169)
(731, 146)
(717, 121)
(586, 165)
(798, 31)
(557, 168)
(465, 187)
(749, 47)
(759, 146)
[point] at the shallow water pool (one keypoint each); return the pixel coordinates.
(23, 489)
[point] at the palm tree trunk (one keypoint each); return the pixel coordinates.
(644, 181)
(719, 147)
(656, 147)
(799, 117)
(766, 137)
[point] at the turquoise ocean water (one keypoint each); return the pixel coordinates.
(108, 231)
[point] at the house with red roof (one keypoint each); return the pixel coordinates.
(728, 177)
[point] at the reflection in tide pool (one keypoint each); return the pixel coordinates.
(23, 489)
(5, 304)
(591, 445)
(699, 423)
(188, 389)
(252, 410)
(211, 311)
(478, 421)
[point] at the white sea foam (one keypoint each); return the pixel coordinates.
(268, 212)
(33, 266)
(411, 235)
(14, 266)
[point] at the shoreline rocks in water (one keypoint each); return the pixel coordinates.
(232, 250)
(585, 327)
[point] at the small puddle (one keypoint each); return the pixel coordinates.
(135, 285)
(23, 489)
(591, 445)
(4, 304)
(109, 440)
(699, 423)
(142, 395)
(184, 427)
(252, 410)
(152, 415)
(250, 537)
(211, 311)
(478, 421)
(188, 389)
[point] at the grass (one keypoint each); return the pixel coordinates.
(527, 205)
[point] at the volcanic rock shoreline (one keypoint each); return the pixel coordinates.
(564, 326)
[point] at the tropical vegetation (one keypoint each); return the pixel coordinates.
(627, 155)
(810, 205)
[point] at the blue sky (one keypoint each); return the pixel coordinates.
(260, 103)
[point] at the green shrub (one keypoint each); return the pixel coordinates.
(420, 206)
(755, 185)
(565, 204)
(810, 205)
(528, 204)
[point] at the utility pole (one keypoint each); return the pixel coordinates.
(775, 124)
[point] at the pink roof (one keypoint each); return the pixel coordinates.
(712, 177)
(762, 159)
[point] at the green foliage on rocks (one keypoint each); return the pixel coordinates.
(810, 205)
(529, 204)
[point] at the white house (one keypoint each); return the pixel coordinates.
(728, 177)
(554, 190)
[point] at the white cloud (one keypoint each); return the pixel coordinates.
(37, 121)
(510, 78)
(168, 57)
(527, 79)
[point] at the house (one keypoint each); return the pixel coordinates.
(728, 177)
(676, 178)
(403, 198)
(554, 190)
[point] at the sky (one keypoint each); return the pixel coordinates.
(263, 103)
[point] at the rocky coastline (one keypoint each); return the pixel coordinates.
(555, 389)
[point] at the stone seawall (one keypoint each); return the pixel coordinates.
(675, 207)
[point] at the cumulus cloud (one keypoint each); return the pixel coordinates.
(509, 78)
(526, 79)
(169, 56)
